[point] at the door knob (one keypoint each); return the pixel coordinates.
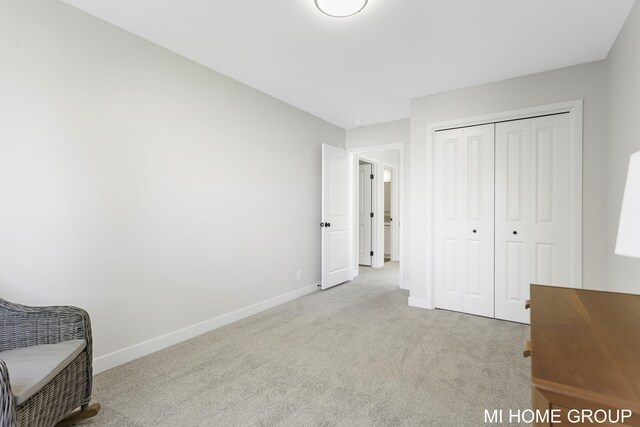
(515, 232)
(528, 349)
(327, 224)
(322, 224)
(475, 231)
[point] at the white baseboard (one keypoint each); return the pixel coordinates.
(405, 285)
(108, 361)
(418, 302)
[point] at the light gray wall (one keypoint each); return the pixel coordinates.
(141, 186)
(623, 274)
(587, 82)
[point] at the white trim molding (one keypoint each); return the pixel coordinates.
(111, 360)
(574, 108)
(394, 254)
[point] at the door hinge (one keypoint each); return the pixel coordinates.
(371, 253)
(371, 214)
(371, 176)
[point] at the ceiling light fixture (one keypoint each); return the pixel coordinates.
(340, 8)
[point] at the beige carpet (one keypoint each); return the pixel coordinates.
(355, 355)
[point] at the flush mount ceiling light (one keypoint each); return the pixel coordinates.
(340, 8)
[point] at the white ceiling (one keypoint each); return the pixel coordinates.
(367, 67)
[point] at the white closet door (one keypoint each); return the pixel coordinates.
(532, 210)
(550, 190)
(447, 189)
(464, 220)
(513, 214)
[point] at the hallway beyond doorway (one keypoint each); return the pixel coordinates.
(389, 274)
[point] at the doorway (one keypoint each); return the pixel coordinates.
(339, 220)
(377, 238)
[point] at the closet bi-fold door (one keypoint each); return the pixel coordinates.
(464, 220)
(532, 210)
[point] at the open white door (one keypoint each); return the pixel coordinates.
(365, 209)
(335, 216)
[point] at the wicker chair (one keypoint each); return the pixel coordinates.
(51, 403)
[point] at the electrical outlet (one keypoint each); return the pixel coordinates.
(299, 275)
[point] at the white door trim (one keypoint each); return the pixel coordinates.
(574, 108)
(394, 255)
(396, 146)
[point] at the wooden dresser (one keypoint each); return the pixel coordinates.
(585, 352)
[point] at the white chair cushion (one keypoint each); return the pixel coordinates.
(31, 368)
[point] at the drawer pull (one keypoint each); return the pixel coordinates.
(527, 349)
(527, 304)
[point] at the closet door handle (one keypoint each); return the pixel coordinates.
(515, 232)
(475, 231)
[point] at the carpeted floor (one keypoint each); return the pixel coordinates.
(354, 355)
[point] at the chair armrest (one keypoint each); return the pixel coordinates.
(8, 416)
(24, 326)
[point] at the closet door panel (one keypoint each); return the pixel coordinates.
(447, 180)
(532, 210)
(512, 219)
(477, 221)
(463, 211)
(550, 200)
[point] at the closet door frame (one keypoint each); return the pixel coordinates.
(574, 109)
